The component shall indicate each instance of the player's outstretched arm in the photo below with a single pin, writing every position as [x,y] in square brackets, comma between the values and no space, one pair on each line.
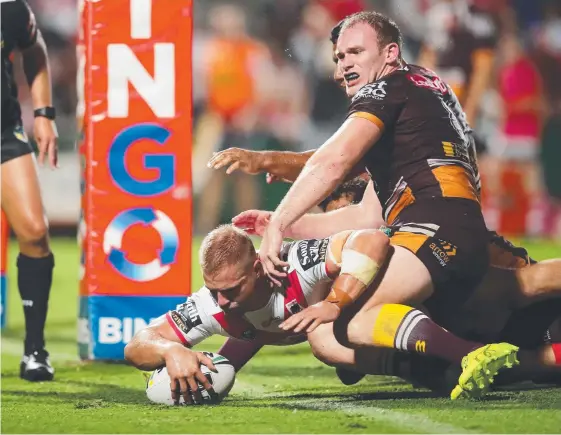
[158,345]
[149,347]
[365,215]
[282,165]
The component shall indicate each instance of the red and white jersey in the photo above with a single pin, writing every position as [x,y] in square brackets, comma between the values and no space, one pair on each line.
[200,316]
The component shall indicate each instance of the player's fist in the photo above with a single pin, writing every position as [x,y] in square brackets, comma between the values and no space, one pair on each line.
[250,162]
[252,222]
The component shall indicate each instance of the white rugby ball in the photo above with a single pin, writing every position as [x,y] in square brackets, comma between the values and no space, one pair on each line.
[158,388]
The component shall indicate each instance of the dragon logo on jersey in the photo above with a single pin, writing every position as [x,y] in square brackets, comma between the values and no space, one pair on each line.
[293,306]
[375,90]
[312,252]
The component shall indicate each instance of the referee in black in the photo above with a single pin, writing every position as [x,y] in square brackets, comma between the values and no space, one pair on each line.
[21,195]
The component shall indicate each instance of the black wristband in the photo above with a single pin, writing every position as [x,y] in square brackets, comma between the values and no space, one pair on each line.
[48,112]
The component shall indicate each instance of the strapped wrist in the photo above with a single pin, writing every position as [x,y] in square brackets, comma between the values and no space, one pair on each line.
[339,297]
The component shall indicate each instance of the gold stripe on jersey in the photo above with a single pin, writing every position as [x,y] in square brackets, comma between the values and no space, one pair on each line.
[406,198]
[370,117]
[448,149]
[410,241]
[455,182]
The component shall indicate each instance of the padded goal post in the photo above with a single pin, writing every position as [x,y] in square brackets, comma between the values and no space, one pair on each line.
[134,119]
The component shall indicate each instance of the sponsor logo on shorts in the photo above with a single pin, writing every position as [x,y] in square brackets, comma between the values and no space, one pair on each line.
[442,251]
[312,252]
[19,134]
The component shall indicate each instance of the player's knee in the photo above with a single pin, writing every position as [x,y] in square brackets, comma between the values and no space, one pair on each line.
[319,345]
[33,234]
[358,334]
[373,243]
[321,353]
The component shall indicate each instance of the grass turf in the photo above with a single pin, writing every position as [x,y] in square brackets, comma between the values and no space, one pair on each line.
[283,390]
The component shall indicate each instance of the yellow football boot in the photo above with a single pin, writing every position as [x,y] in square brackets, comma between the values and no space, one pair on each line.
[480,367]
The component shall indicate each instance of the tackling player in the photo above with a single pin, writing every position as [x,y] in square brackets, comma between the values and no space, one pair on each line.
[506,272]
[21,195]
[238,301]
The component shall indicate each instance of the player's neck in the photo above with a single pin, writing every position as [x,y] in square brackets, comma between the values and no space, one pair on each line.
[388,69]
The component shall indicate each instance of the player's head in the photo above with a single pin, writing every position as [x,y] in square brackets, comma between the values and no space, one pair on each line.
[346,194]
[368,44]
[228,20]
[231,267]
[338,74]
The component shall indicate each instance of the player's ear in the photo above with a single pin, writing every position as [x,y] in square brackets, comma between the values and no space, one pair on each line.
[257,266]
[392,53]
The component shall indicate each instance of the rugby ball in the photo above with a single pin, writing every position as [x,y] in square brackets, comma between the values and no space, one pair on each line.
[158,384]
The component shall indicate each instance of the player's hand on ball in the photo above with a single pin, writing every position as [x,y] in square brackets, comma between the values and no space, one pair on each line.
[246,161]
[183,366]
[46,136]
[253,222]
[311,317]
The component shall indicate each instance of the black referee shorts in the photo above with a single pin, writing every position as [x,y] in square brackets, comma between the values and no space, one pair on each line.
[14,143]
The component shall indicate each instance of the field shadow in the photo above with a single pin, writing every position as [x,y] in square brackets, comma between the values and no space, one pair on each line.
[290,372]
[95,394]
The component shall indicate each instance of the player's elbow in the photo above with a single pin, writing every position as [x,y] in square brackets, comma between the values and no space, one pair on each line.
[131,352]
[372,243]
[135,350]
[331,166]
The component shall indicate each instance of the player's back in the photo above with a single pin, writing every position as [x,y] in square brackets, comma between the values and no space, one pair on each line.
[307,283]
[427,149]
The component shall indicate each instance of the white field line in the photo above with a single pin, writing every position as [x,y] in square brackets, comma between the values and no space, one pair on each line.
[403,420]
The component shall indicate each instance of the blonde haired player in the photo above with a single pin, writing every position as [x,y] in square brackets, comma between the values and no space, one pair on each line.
[238,301]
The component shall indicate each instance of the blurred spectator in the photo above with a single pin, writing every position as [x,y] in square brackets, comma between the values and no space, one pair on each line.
[523,107]
[262,78]
[236,68]
[460,47]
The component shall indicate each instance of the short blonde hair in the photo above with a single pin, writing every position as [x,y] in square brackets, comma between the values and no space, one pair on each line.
[225,246]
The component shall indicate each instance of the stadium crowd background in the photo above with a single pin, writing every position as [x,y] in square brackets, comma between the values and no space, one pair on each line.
[262,79]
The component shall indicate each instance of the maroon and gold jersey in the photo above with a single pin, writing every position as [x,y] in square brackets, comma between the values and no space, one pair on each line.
[426,149]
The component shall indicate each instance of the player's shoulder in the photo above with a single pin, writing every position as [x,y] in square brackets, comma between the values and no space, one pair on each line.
[304,255]
[199,306]
[390,86]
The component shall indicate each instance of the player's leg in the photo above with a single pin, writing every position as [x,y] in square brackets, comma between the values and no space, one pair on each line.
[407,280]
[538,282]
[21,201]
[353,364]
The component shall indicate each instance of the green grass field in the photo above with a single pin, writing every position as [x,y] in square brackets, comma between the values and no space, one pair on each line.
[283,390]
